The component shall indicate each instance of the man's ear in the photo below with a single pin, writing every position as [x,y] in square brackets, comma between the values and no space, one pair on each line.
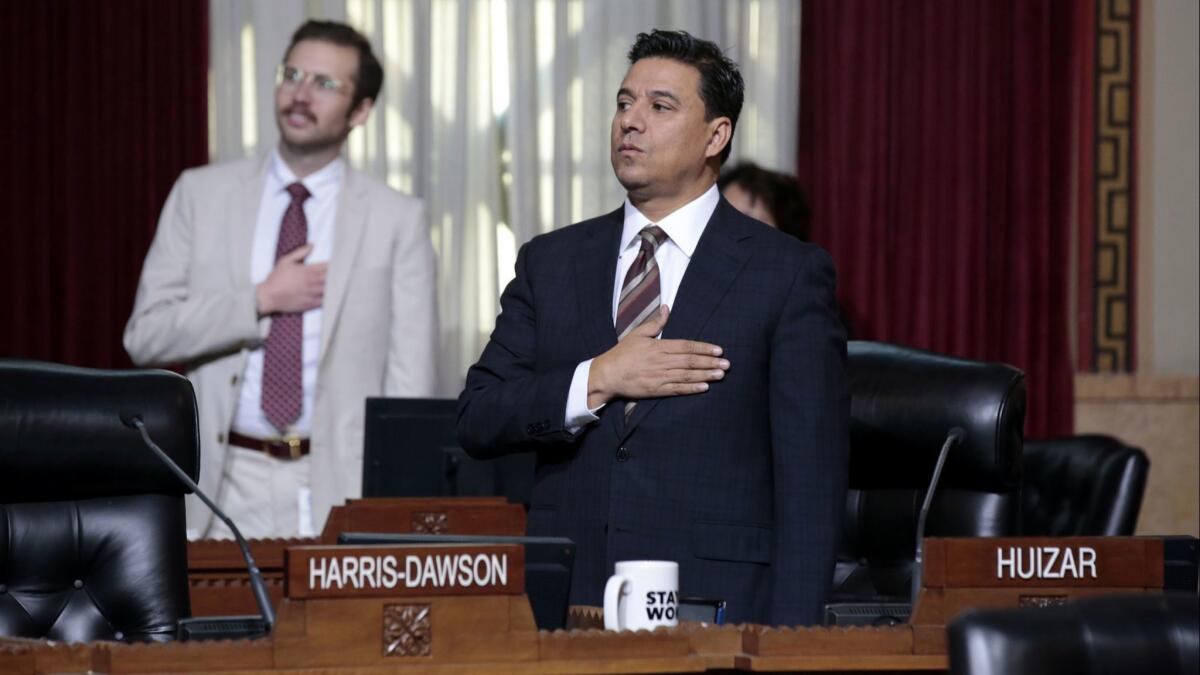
[720,129]
[360,114]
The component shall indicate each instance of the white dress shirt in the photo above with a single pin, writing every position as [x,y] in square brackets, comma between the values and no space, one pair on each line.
[683,227]
[320,210]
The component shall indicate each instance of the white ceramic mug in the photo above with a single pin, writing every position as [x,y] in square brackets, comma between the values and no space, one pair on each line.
[642,594]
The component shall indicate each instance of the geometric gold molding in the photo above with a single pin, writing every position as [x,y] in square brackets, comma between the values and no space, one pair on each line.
[1113,252]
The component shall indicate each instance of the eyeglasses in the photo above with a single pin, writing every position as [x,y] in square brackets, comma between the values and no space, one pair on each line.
[290,77]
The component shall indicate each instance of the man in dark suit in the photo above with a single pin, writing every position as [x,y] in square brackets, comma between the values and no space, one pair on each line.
[678,367]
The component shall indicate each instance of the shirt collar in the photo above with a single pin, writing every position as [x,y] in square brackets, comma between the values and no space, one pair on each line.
[684,225]
[320,184]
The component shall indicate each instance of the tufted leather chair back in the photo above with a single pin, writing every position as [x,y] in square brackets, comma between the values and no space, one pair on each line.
[903,401]
[92,535]
[1152,633]
[1082,486]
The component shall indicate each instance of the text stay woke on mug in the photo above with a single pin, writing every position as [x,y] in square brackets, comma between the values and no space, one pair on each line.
[660,605]
[660,613]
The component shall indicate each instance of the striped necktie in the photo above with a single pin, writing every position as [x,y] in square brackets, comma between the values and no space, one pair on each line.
[640,293]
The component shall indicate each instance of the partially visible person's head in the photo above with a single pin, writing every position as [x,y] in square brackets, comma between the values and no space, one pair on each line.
[328,83]
[770,196]
[368,73]
[677,109]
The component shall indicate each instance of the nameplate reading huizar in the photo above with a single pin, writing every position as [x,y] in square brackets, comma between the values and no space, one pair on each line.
[1045,562]
[362,571]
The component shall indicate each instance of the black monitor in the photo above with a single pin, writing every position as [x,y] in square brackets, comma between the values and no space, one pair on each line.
[548,564]
[410,450]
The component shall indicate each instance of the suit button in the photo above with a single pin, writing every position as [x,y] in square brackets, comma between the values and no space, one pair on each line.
[220,438]
[233,380]
[530,429]
[623,454]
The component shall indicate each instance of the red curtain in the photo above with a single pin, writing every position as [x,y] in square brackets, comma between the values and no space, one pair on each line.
[935,142]
[107,103]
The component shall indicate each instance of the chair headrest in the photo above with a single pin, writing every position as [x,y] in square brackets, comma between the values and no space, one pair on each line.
[1151,633]
[61,434]
[1082,485]
[903,401]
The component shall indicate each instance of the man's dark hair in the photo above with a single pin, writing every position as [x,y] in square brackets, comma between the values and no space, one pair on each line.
[721,86]
[778,191]
[369,78]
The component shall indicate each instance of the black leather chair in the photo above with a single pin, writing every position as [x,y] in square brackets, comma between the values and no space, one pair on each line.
[903,402]
[92,535]
[1112,635]
[1082,486]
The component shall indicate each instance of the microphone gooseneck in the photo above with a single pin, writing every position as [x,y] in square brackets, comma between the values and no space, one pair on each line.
[956,436]
[134,420]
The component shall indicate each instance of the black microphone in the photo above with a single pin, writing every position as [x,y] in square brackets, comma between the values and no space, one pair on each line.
[956,436]
[134,421]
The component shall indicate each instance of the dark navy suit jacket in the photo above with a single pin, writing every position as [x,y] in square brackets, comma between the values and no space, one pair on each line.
[744,484]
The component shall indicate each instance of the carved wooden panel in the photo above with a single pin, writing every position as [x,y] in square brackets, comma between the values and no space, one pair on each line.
[1041,600]
[430,522]
[407,630]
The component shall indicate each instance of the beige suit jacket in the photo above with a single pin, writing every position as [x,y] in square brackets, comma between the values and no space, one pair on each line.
[196,306]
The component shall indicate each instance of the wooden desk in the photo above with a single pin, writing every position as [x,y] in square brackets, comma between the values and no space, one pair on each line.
[689,648]
[496,634]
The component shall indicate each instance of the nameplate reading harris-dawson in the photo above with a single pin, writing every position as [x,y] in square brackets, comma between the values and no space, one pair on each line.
[397,571]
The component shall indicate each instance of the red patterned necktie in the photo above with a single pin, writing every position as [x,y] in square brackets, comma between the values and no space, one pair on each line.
[283,386]
[640,293]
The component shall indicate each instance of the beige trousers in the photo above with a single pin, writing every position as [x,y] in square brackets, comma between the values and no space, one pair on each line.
[264,496]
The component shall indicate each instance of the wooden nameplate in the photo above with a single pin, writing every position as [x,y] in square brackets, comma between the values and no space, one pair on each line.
[220,585]
[419,515]
[1008,572]
[364,606]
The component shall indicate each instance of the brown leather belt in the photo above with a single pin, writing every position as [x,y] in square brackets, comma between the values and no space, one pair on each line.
[287,448]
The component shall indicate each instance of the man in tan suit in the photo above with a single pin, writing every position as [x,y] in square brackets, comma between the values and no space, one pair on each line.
[291,287]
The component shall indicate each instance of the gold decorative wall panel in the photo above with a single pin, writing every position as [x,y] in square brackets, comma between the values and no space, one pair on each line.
[1114,181]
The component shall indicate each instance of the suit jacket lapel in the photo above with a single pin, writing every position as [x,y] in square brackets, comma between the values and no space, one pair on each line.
[716,262]
[595,267]
[244,219]
[347,237]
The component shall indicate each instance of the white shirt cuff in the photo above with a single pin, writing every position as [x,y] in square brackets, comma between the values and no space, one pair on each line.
[578,414]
